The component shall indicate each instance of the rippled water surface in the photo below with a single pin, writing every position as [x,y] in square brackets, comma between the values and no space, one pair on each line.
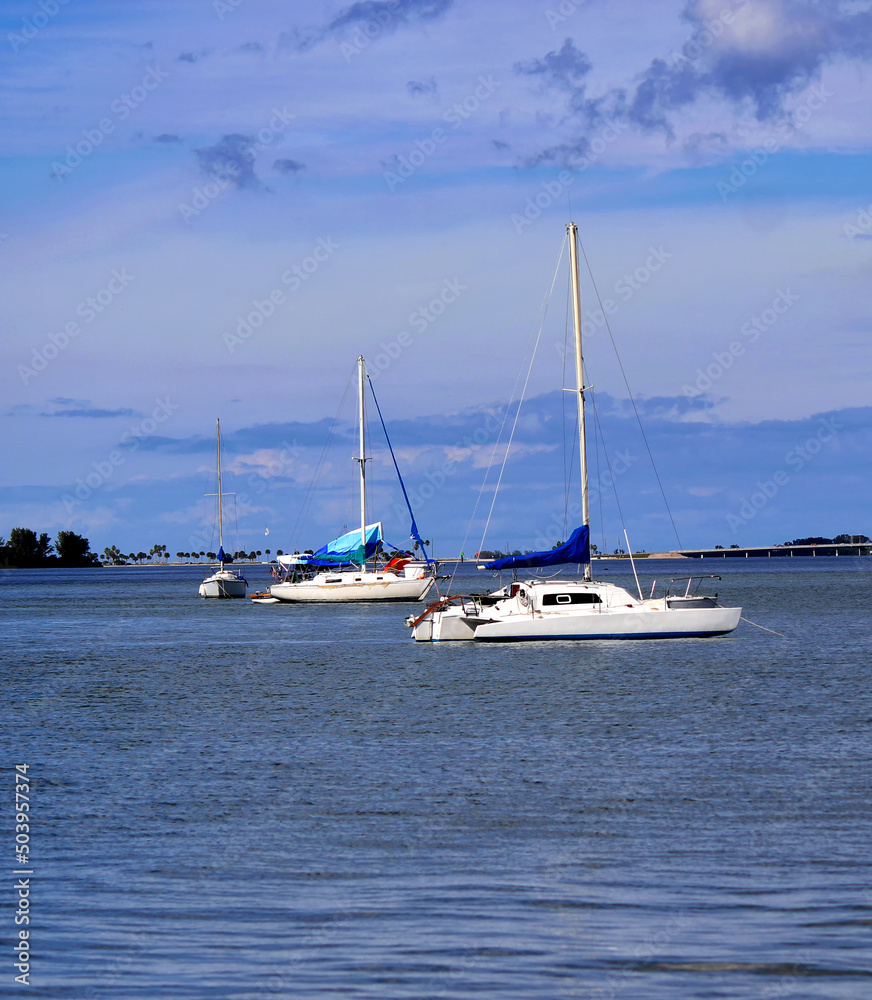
[240,801]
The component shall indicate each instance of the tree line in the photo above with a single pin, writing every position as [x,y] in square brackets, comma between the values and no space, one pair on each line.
[161,554]
[838,540]
[25,549]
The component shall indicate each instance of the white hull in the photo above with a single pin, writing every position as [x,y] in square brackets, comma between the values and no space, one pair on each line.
[342,587]
[669,624]
[223,584]
[527,615]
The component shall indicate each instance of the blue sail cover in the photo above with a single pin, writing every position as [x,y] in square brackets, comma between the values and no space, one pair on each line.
[575,550]
[346,548]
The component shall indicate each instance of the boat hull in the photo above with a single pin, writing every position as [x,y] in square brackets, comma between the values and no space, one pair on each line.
[669,624]
[348,591]
[223,585]
[642,624]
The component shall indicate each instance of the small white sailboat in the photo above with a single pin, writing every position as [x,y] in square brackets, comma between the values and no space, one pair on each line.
[340,571]
[223,582]
[536,609]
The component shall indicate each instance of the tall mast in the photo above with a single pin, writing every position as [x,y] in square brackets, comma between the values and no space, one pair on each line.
[220,510]
[361,371]
[572,231]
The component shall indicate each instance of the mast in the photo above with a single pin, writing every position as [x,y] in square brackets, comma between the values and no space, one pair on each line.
[572,231]
[361,371]
[220,510]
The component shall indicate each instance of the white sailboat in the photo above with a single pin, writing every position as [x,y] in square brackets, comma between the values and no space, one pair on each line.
[323,576]
[537,609]
[223,582]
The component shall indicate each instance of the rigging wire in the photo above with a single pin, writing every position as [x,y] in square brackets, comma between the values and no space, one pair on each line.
[310,492]
[600,446]
[630,394]
[544,310]
[369,481]
[235,506]
[567,470]
[415,533]
[523,394]
[599,432]
[217,506]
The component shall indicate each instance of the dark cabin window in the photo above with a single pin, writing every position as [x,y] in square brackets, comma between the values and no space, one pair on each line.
[335,579]
[549,600]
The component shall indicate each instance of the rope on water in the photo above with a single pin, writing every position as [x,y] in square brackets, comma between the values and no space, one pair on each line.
[772,630]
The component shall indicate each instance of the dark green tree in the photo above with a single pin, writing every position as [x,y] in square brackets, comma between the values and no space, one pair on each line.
[26,548]
[74,550]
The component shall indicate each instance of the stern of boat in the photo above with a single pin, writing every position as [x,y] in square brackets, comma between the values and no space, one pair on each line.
[452,619]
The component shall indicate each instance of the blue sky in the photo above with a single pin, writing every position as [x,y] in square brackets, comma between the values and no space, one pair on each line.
[211,208]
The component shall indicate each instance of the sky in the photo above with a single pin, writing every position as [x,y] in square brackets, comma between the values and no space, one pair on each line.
[210,208]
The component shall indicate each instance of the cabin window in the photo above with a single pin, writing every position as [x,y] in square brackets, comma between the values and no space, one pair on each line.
[549,600]
[357,579]
[334,579]
[379,578]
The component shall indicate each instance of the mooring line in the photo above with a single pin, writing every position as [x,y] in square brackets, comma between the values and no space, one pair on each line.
[772,630]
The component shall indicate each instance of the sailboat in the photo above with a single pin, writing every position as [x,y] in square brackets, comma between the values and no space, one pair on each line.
[340,570]
[537,609]
[223,582]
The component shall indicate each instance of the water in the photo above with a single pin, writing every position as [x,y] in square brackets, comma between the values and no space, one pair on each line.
[242,801]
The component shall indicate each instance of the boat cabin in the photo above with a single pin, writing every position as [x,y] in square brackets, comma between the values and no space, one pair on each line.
[564,595]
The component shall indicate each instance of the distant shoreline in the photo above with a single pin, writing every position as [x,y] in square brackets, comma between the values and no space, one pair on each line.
[745,552]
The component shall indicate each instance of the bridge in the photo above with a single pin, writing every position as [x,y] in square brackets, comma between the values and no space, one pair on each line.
[781,551]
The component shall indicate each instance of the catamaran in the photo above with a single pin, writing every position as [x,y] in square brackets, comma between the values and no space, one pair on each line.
[536,609]
[223,582]
[340,570]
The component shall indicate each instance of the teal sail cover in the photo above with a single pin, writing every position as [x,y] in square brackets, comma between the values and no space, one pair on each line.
[576,549]
[347,548]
